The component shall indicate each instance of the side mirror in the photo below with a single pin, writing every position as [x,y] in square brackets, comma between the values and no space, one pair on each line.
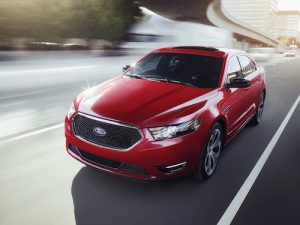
[125,68]
[239,83]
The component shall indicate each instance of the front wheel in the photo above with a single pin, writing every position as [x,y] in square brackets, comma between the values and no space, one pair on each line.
[210,153]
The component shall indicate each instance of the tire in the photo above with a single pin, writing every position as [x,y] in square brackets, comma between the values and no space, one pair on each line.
[210,153]
[256,119]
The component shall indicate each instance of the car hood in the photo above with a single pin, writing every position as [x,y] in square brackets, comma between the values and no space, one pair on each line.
[141,102]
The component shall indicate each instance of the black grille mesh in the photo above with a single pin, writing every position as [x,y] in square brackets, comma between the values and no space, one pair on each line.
[113,164]
[117,136]
[133,168]
[100,160]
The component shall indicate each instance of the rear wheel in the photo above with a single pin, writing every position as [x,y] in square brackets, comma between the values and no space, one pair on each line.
[210,153]
[259,111]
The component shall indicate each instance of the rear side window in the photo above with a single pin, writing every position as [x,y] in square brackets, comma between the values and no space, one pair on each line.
[248,66]
[234,69]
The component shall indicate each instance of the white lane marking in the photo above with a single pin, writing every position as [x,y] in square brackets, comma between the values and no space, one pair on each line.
[26,94]
[55,69]
[50,69]
[32,133]
[239,198]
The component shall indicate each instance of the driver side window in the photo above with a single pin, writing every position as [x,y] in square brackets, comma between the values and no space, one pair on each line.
[234,69]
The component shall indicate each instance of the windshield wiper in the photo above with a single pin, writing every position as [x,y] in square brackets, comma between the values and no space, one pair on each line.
[136,76]
[180,82]
[164,79]
[157,78]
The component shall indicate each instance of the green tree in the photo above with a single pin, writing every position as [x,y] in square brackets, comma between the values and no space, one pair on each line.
[45,20]
[287,40]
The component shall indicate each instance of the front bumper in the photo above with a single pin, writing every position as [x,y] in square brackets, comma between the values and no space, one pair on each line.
[148,160]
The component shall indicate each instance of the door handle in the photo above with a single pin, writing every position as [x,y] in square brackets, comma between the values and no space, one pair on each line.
[227,109]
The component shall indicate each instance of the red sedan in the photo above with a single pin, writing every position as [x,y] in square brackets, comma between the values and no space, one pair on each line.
[168,115]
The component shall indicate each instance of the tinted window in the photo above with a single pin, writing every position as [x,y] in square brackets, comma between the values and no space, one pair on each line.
[247,65]
[149,63]
[198,70]
[234,69]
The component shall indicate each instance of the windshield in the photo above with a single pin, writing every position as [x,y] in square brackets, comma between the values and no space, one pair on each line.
[187,69]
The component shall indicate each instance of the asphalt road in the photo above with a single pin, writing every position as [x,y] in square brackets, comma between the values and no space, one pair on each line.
[41,184]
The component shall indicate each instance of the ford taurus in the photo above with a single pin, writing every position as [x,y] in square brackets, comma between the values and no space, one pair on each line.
[168,115]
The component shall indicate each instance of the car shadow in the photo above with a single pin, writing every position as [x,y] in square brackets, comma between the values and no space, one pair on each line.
[105,199]
[101,198]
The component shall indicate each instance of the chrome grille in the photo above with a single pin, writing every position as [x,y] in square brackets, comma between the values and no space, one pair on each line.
[112,135]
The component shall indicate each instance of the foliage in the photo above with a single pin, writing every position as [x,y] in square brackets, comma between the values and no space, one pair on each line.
[44,20]
[287,41]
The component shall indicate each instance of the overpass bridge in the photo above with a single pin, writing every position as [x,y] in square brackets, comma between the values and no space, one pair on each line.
[209,12]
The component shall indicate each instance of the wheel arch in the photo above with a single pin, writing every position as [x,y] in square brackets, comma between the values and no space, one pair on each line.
[223,122]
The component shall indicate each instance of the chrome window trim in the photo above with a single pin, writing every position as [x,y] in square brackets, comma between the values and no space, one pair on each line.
[227,80]
[246,75]
[110,122]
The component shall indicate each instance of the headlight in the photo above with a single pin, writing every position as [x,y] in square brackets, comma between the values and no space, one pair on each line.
[160,133]
[71,111]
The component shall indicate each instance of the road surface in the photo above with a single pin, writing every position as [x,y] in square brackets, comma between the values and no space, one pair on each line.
[41,184]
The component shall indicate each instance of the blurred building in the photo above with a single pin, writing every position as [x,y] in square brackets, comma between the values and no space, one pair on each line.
[155,31]
[259,14]
[287,24]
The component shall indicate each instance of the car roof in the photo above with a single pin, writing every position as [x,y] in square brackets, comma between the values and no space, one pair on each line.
[201,50]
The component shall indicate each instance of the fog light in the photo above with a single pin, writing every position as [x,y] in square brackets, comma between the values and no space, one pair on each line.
[172,168]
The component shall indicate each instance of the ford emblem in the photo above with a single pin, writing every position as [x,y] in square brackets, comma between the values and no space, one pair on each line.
[99,131]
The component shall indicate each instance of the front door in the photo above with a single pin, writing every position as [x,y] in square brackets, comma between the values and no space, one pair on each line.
[235,103]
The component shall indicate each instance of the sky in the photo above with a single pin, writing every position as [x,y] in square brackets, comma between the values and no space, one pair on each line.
[289,4]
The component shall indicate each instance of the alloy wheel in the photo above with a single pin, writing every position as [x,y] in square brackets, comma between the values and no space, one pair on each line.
[213,151]
[260,109]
